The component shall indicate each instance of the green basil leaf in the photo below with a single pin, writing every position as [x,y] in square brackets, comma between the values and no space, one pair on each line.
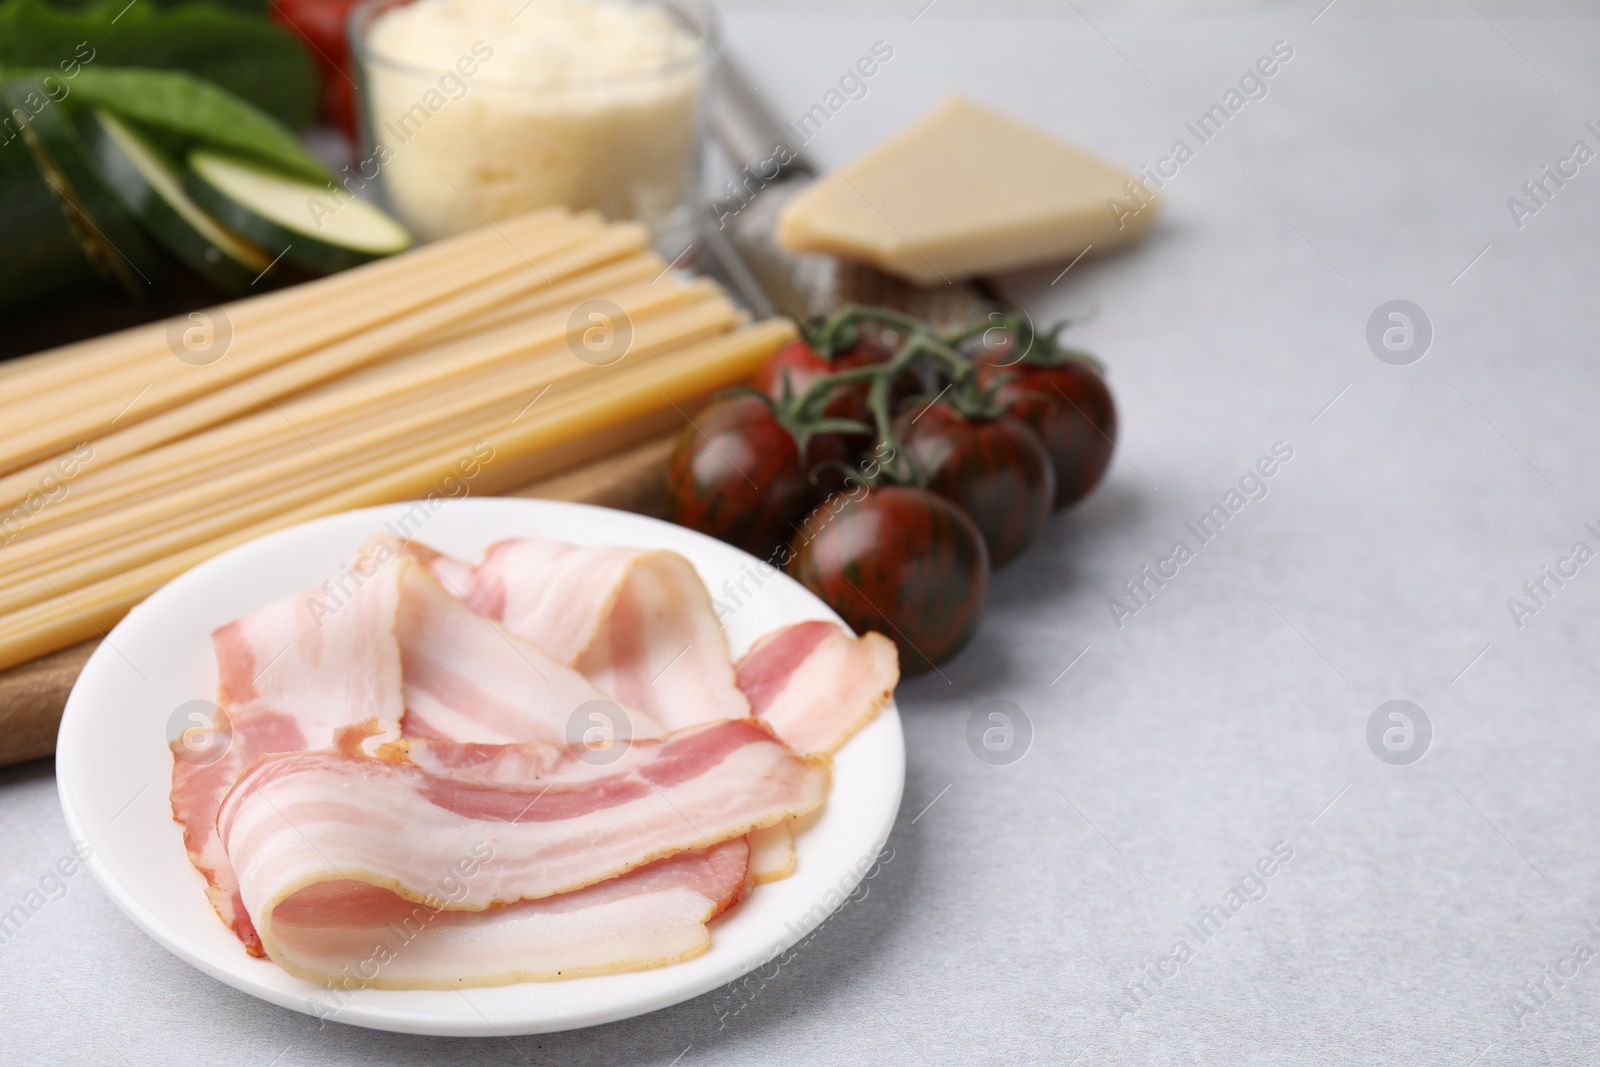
[246,54]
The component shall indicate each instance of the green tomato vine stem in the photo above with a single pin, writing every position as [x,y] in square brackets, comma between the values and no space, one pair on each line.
[803,415]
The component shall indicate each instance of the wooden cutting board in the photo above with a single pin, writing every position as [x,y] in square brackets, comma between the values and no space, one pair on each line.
[33,695]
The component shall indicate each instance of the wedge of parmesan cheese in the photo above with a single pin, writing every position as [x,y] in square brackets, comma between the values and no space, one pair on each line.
[968,191]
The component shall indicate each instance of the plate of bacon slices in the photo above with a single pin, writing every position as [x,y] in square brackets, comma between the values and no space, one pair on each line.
[478,767]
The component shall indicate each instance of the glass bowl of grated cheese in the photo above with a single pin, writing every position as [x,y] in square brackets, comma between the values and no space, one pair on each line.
[474,111]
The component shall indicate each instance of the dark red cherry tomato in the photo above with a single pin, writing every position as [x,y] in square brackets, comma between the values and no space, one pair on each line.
[801,365]
[736,475]
[902,561]
[1070,407]
[996,469]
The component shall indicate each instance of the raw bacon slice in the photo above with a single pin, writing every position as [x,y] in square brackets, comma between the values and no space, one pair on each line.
[397,768]
[505,766]
[649,917]
[638,624]
[771,853]
[331,819]
[467,679]
[291,675]
[815,685]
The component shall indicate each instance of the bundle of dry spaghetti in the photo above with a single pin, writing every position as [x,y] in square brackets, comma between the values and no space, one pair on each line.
[474,365]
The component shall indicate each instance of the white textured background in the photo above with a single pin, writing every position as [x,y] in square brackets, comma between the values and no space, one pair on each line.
[1231,712]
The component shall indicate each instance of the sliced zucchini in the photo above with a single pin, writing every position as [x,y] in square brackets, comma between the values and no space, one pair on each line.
[149,185]
[112,238]
[285,212]
[40,254]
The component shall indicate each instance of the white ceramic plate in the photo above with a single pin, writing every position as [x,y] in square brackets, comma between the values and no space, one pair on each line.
[114,768]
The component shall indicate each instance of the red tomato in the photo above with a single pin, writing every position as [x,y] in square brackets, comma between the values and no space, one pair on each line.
[321,25]
[1070,407]
[997,470]
[736,475]
[803,365]
[902,561]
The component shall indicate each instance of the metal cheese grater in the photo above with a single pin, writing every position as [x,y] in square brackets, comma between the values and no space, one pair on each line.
[737,232]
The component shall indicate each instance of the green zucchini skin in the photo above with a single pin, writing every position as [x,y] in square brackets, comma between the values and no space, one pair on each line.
[126,253]
[300,247]
[235,274]
[41,257]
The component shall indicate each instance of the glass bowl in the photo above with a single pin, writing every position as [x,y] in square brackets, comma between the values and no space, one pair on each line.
[481,119]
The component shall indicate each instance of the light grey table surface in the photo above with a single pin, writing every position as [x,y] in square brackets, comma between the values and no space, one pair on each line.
[1230,713]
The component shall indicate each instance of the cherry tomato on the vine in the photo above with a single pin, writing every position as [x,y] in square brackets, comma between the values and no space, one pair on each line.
[995,469]
[802,365]
[736,474]
[1070,407]
[793,369]
[902,561]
